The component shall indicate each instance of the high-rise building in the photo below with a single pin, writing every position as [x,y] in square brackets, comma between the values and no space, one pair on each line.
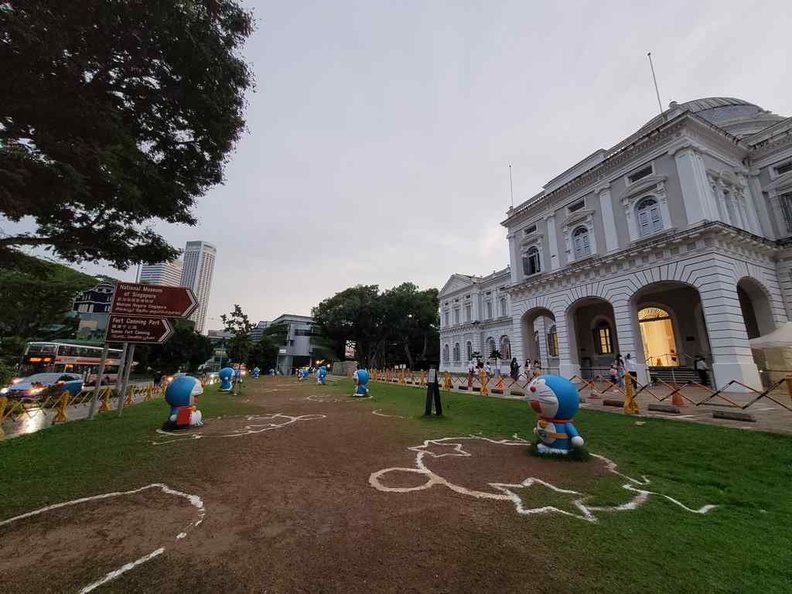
[163,273]
[199,260]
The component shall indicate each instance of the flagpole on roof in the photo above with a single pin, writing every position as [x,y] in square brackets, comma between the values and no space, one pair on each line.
[511,187]
[654,78]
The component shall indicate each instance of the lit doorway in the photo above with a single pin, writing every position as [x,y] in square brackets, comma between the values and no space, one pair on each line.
[657,335]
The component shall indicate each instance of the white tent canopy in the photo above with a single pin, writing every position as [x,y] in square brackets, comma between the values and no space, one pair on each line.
[778,338]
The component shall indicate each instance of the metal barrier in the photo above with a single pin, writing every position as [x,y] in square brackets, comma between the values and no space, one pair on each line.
[60,402]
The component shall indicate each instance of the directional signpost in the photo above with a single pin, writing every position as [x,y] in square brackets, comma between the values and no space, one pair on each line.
[138,330]
[139,315]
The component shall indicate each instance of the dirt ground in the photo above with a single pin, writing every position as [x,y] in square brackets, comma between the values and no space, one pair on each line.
[289,507]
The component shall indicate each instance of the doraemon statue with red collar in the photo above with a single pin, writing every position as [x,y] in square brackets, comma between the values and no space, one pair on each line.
[555,400]
[182,396]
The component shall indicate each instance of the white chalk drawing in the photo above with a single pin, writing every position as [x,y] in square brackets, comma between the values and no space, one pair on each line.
[253,424]
[381,414]
[194,500]
[454,446]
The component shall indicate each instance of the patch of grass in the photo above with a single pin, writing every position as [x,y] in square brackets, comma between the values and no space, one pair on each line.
[82,457]
[740,546]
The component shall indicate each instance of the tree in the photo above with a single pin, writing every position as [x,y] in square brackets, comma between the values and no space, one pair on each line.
[35,293]
[240,344]
[410,319]
[399,325]
[352,314]
[114,114]
[184,351]
[263,353]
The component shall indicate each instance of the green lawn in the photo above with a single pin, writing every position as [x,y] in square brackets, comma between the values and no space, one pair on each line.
[82,457]
[744,544]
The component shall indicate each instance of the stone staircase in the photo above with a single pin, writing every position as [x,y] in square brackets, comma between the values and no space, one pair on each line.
[674,375]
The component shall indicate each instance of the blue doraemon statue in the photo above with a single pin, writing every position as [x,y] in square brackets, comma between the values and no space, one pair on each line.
[255,372]
[225,375]
[182,395]
[555,400]
[303,374]
[321,375]
[361,377]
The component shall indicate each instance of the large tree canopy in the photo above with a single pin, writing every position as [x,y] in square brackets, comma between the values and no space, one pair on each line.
[113,114]
[396,326]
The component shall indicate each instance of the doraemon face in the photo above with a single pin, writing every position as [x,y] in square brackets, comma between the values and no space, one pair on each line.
[183,391]
[542,399]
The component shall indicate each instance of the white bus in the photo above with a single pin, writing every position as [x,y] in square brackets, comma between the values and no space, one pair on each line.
[66,357]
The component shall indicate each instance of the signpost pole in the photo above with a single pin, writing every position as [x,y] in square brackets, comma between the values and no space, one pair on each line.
[97,385]
[127,372]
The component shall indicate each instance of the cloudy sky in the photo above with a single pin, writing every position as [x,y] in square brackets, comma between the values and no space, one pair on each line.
[380,133]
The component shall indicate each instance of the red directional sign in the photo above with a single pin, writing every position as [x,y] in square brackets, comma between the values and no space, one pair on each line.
[137,329]
[153,300]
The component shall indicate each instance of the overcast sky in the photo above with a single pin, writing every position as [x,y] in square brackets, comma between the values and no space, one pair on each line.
[380,133]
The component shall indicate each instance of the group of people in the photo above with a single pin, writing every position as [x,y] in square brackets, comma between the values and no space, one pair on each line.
[621,367]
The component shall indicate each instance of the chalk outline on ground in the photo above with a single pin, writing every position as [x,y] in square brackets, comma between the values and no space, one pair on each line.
[507,491]
[249,429]
[194,500]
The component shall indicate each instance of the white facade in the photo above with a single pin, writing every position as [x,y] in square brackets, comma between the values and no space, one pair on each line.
[199,261]
[672,244]
[298,350]
[475,317]
[164,273]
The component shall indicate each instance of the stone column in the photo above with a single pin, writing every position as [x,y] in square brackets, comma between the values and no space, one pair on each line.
[514,257]
[628,334]
[517,345]
[699,203]
[552,242]
[728,339]
[608,220]
[757,199]
[568,364]
[541,326]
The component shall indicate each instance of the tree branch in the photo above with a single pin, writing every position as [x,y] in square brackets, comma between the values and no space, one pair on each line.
[25,240]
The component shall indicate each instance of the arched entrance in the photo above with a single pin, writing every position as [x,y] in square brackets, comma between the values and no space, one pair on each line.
[657,337]
[593,341]
[755,306]
[538,326]
[673,329]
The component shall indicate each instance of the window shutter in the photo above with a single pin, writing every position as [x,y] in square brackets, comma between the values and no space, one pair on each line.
[643,222]
[657,221]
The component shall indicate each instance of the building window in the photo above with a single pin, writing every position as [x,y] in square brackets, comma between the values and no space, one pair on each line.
[640,174]
[456,352]
[531,229]
[445,353]
[784,168]
[490,348]
[468,312]
[576,206]
[503,312]
[469,351]
[602,338]
[785,201]
[531,263]
[505,347]
[581,243]
[489,310]
[456,316]
[552,342]
[649,218]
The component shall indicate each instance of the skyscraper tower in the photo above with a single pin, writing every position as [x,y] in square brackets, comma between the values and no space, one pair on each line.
[199,260]
[163,273]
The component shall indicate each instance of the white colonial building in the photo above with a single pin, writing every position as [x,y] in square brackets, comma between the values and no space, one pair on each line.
[674,243]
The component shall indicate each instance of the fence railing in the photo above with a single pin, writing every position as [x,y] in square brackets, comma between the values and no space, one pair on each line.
[59,404]
[600,386]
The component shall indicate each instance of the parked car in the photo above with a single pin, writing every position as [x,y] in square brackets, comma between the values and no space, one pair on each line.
[34,386]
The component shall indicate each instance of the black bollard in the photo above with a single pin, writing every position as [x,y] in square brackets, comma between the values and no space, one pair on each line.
[433,393]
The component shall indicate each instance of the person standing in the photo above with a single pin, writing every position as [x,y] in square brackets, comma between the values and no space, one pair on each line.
[702,369]
[629,367]
[515,369]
